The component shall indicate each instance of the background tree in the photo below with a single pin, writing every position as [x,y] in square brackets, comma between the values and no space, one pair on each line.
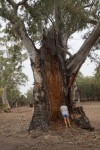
[52,24]
[97,72]
[13,95]
[29,96]
[23,101]
[11,68]
[89,86]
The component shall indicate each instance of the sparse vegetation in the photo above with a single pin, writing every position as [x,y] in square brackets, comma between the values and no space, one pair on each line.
[14,126]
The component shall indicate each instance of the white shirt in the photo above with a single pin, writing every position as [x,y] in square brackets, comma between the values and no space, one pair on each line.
[64,110]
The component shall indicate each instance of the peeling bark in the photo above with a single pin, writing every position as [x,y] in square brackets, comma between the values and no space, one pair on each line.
[41,115]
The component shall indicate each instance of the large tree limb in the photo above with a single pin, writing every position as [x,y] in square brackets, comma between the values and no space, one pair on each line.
[90,5]
[19,27]
[13,4]
[27,42]
[77,60]
[22,2]
[58,20]
[16,4]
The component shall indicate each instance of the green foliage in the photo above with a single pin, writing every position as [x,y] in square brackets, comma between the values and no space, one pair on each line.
[11,75]
[97,72]
[15,97]
[40,14]
[1,91]
[23,101]
[29,95]
[11,60]
[89,87]
[13,94]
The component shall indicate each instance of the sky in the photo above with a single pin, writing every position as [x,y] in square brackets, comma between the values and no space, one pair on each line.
[74,44]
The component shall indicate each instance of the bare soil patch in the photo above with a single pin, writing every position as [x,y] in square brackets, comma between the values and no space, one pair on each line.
[14,132]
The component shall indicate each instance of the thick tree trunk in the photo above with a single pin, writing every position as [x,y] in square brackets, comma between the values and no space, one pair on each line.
[52,87]
[49,89]
[53,77]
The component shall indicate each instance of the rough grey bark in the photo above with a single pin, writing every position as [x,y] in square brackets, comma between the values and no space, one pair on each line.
[41,116]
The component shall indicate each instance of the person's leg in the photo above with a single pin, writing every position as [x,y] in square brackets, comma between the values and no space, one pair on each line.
[68,122]
[65,121]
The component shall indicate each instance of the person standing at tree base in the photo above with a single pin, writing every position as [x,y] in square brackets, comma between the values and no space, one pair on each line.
[65,115]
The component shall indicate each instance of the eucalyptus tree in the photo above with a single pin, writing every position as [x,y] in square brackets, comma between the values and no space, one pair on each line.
[51,23]
[13,95]
[11,74]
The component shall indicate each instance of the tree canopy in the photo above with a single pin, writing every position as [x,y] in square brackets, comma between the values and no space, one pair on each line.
[89,86]
[11,60]
[28,21]
[11,75]
[37,15]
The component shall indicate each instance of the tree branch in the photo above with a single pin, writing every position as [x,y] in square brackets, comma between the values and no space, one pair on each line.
[89,5]
[14,5]
[94,22]
[21,3]
[19,27]
[77,60]
[27,42]
[58,18]
[11,2]
[65,51]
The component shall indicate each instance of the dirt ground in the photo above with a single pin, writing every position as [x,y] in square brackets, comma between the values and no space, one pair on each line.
[14,135]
